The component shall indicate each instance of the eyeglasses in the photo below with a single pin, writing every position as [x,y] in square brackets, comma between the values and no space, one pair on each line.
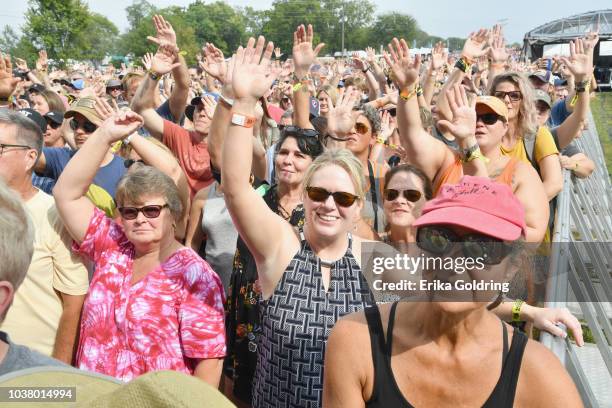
[361,128]
[513,95]
[87,126]
[4,146]
[440,240]
[149,211]
[392,194]
[341,198]
[488,118]
[130,162]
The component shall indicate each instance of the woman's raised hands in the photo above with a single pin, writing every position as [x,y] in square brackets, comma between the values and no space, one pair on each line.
[405,69]
[253,74]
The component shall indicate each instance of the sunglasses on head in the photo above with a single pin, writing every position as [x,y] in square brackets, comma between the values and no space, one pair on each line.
[130,162]
[392,194]
[86,125]
[361,128]
[488,118]
[149,211]
[341,198]
[297,131]
[439,240]
[513,95]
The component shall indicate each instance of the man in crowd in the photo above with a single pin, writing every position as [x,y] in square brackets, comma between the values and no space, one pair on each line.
[46,308]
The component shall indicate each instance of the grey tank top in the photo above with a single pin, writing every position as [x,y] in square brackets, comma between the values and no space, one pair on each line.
[221,235]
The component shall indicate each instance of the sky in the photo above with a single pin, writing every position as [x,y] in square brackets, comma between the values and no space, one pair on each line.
[443,18]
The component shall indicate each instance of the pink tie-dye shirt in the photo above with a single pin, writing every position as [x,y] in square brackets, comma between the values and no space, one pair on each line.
[168,320]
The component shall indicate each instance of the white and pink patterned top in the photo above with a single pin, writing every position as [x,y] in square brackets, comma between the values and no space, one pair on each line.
[168,320]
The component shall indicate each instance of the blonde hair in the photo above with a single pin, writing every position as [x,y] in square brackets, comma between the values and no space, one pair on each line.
[329,90]
[527,116]
[16,238]
[148,181]
[342,158]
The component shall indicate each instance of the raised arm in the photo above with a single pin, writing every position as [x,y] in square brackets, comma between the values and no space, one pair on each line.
[438,59]
[263,231]
[422,150]
[303,58]
[73,206]
[498,55]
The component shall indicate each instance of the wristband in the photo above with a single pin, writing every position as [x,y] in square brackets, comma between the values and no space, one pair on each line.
[154,75]
[5,99]
[419,90]
[243,120]
[463,65]
[516,310]
[380,140]
[406,94]
[473,155]
[297,87]
[365,70]
[127,140]
[302,79]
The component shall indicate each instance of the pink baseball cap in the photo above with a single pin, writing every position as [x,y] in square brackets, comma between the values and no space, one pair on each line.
[479,204]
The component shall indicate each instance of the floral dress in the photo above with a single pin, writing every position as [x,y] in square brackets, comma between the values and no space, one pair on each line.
[243,322]
[169,320]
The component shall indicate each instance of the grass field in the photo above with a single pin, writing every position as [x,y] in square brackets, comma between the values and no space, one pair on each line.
[601,107]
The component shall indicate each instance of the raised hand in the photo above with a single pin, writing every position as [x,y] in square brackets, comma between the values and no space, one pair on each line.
[497,45]
[438,56]
[21,64]
[591,38]
[165,59]
[7,82]
[303,54]
[371,54]
[165,32]
[146,60]
[209,104]
[340,119]
[386,129]
[42,63]
[277,53]
[463,124]
[405,69]
[253,74]
[119,125]
[214,62]
[580,62]
[475,45]
[358,63]
[103,109]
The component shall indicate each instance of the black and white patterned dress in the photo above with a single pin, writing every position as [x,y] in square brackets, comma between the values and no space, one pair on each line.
[296,322]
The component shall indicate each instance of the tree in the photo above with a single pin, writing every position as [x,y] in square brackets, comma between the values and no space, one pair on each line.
[100,38]
[394,24]
[138,11]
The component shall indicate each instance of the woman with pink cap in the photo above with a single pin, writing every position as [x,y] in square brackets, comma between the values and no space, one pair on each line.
[447,348]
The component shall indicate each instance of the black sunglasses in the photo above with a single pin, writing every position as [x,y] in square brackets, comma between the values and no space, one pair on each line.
[53,125]
[130,162]
[440,240]
[488,118]
[392,194]
[149,211]
[87,126]
[341,198]
[297,131]
[114,88]
[513,95]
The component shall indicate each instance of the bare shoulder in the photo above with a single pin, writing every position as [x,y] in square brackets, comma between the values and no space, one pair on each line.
[543,381]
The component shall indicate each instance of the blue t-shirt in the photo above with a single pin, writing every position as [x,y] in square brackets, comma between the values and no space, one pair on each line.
[558,113]
[46,184]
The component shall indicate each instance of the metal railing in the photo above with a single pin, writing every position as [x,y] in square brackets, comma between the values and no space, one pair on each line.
[581,267]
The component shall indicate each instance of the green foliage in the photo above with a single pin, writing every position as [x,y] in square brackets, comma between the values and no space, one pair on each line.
[390,25]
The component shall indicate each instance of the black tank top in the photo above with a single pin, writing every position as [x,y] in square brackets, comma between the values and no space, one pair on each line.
[386,393]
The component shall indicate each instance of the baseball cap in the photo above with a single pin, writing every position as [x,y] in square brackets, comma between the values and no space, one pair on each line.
[543,76]
[56,117]
[560,82]
[36,88]
[479,204]
[540,95]
[35,117]
[84,106]
[198,99]
[495,104]
[114,83]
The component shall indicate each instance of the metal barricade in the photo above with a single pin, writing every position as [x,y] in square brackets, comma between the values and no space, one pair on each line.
[581,268]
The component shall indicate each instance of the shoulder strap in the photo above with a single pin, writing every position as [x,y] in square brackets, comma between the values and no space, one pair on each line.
[389,346]
[529,144]
[377,341]
[373,187]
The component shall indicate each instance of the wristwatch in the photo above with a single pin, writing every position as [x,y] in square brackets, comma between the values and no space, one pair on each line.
[243,120]
[469,152]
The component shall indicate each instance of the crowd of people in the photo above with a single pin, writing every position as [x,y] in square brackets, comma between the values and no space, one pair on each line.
[212,220]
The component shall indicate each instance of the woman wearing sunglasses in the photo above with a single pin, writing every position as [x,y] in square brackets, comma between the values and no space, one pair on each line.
[152,304]
[517,93]
[308,279]
[450,350]
[479,127]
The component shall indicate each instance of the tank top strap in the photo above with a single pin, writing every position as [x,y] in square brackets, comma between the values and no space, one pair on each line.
[505,177]
[377,344]
[450,175]
[389,345]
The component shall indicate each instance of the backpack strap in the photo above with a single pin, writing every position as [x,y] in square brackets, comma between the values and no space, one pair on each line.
[529,145]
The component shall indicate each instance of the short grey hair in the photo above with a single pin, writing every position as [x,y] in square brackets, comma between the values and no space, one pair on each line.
[27,131]
[372,115]
[16,238]
[148,181]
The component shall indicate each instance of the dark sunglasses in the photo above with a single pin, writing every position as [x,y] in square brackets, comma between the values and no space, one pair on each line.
[361,128]
[513,95]
[114,88]
[149,211]
[488,118]
[87,126]
[297,131]
[53,125]
[392,194]
[440,240]
[542,107]
[130,162]
[341,198]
